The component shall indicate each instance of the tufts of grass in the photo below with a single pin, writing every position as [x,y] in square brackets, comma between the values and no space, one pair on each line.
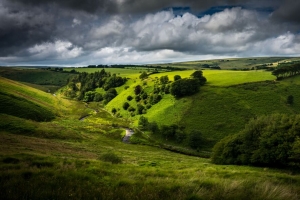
[111,157]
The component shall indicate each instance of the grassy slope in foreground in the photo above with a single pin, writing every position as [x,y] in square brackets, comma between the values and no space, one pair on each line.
[82,167]
[23,101]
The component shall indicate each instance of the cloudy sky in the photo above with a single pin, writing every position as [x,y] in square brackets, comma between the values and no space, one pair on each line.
[83,32]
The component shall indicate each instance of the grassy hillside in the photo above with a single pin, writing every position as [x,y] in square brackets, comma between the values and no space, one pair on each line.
[39,78]
[23,101]
[221,107]
[86,160]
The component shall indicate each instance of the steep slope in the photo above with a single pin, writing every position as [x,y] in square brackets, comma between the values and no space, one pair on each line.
[23,101]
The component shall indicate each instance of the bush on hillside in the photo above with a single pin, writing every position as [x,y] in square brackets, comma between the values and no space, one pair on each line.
[129,98]
[266,141]
[138,89]
[126,105]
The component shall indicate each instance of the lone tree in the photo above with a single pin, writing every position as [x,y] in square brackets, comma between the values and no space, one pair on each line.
[143,75]
[138,89]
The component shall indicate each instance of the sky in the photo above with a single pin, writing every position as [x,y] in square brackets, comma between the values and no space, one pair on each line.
[92,32]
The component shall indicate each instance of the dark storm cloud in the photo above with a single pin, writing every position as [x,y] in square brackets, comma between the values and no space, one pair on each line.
[289,11]
[145,6]
[85,5]
[139,30]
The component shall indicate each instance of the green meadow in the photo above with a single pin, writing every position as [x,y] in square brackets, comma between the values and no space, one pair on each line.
[78,153]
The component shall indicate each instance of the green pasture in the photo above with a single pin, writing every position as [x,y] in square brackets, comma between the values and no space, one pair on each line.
[227,77]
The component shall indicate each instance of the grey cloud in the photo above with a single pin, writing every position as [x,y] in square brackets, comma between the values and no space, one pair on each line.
[30,28]
[20,29]
[144,6]
[288,12]
[84,5]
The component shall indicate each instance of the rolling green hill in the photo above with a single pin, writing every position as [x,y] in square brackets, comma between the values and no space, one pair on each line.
[23,101]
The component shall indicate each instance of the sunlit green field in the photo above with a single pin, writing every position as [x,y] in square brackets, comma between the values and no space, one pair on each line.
[227,78]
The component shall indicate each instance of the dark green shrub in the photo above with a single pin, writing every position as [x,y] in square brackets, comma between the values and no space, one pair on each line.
[137,98]
[129,98]
[126,105]
[138,89]
[131,109]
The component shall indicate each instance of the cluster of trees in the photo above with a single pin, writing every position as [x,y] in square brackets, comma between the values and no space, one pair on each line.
[283,71]
[175,133]
[84,84]
[272,141]
[184,87]
[143,101]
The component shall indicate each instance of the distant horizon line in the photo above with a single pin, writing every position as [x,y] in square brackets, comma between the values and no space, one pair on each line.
[163,63]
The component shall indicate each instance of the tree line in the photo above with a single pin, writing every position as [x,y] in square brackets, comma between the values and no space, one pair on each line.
[284,71]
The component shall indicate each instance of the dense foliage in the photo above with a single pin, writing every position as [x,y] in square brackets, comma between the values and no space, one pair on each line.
[185,87]
[266,141]
[83,85]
